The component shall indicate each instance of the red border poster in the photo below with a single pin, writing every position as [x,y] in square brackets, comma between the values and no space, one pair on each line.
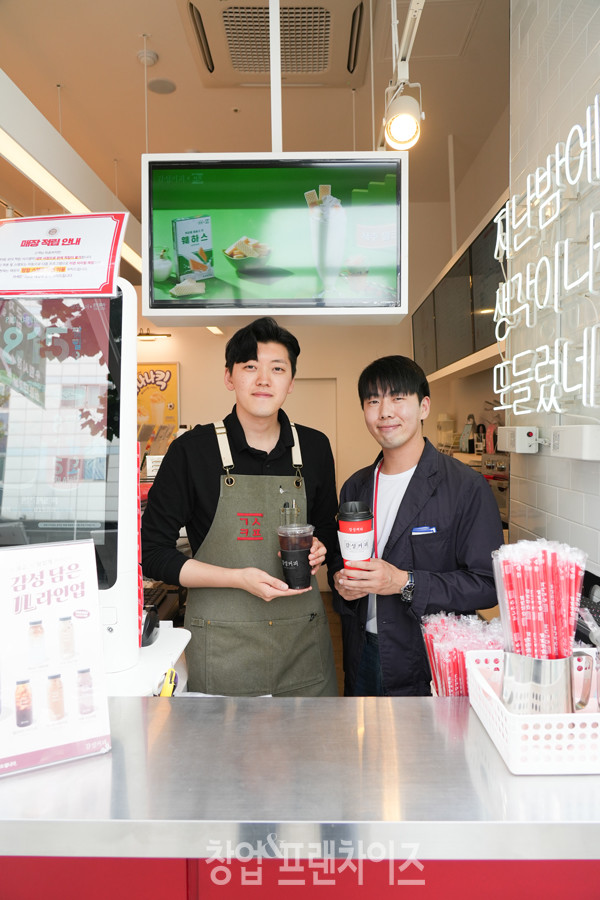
[71,254]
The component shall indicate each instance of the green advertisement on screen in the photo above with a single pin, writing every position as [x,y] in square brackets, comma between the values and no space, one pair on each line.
[252,234]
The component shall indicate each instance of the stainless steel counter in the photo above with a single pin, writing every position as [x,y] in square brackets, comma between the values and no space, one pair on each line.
[186,775]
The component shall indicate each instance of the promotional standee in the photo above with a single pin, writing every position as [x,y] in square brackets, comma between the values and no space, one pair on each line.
[68,442]
[53,704]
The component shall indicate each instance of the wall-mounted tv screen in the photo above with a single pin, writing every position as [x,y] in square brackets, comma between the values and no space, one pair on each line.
[424,344]
[453,314]
[487,274]
[266,234]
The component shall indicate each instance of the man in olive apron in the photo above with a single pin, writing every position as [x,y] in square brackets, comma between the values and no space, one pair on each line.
[251,634]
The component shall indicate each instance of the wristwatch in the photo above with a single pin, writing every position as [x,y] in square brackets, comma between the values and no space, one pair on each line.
[407,591]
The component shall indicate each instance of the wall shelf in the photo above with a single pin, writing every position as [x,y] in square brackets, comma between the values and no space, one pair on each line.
[469,365]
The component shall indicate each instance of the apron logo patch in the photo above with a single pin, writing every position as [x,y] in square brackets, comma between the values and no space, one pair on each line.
[250,527]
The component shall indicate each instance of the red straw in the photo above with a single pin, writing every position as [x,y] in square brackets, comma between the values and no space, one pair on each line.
[563,619]
[541,610]
[524,619]
[539,588]
[511,601]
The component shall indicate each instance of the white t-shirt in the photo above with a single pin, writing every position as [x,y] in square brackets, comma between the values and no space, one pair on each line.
[389,497]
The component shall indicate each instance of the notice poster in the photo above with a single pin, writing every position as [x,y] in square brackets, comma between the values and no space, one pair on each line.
[53,702]
[49,255]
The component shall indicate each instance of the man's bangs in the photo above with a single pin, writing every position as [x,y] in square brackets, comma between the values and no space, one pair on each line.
[246,349]
[383,386]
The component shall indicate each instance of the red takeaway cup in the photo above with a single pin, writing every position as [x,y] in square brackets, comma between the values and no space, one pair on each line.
[355,532]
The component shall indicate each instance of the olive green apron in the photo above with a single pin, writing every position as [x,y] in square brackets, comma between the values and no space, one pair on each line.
[242,645]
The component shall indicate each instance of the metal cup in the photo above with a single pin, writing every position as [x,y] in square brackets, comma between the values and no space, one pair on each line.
[532,685]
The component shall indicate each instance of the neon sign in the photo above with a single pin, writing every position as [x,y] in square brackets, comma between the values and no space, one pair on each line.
[554,230]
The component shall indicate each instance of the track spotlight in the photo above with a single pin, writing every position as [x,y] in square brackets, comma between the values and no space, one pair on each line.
[402,121]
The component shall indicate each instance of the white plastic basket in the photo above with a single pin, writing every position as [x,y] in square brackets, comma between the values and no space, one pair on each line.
[558,744]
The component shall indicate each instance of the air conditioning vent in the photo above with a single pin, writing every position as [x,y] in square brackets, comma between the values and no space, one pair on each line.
[305,38]
[322,43]
[355,36]
[201,40]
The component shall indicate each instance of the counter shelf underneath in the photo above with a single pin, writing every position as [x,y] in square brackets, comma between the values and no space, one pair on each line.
[187,772]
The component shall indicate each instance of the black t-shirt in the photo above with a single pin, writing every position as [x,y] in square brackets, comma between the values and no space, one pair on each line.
[185,492]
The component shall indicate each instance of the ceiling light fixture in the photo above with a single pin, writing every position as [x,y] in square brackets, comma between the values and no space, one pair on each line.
[148,335]
[403,112]
[402,120]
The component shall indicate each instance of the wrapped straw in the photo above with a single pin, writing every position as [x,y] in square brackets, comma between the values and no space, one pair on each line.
[447,638]
[539,588]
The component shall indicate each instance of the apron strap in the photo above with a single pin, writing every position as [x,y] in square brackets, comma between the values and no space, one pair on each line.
[296,456]
[225,451]
[227,458]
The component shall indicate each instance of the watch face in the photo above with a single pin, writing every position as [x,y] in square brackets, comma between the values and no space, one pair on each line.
[407,590]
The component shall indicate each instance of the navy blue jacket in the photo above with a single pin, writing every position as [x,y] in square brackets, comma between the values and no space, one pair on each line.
[452,565]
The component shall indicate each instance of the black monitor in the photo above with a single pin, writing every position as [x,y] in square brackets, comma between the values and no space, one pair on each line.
[274,234]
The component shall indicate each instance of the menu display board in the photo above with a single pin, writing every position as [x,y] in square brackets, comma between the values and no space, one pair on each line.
[53,703]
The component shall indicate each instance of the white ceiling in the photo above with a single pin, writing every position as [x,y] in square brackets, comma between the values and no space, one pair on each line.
[89,48]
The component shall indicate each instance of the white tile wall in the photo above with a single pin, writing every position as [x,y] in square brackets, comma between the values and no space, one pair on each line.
[555,75]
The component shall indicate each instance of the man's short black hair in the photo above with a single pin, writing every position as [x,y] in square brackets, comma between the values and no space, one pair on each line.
[392,375]
[243,345]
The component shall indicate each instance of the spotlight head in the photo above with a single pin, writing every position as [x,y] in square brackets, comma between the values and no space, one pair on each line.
[402,122]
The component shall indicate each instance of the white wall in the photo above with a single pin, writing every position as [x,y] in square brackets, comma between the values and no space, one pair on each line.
[555,75]
[429,249]
[486,180]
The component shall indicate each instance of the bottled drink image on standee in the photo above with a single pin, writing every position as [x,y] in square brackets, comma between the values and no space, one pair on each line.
[85,692]
[56,699]
[23,703]
[66,638]
[36,643]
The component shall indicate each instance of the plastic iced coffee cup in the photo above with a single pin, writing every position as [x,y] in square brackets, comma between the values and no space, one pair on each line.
[295,542]
[355,533]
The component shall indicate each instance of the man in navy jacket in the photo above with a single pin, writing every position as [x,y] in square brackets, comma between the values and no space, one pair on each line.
[436,524]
